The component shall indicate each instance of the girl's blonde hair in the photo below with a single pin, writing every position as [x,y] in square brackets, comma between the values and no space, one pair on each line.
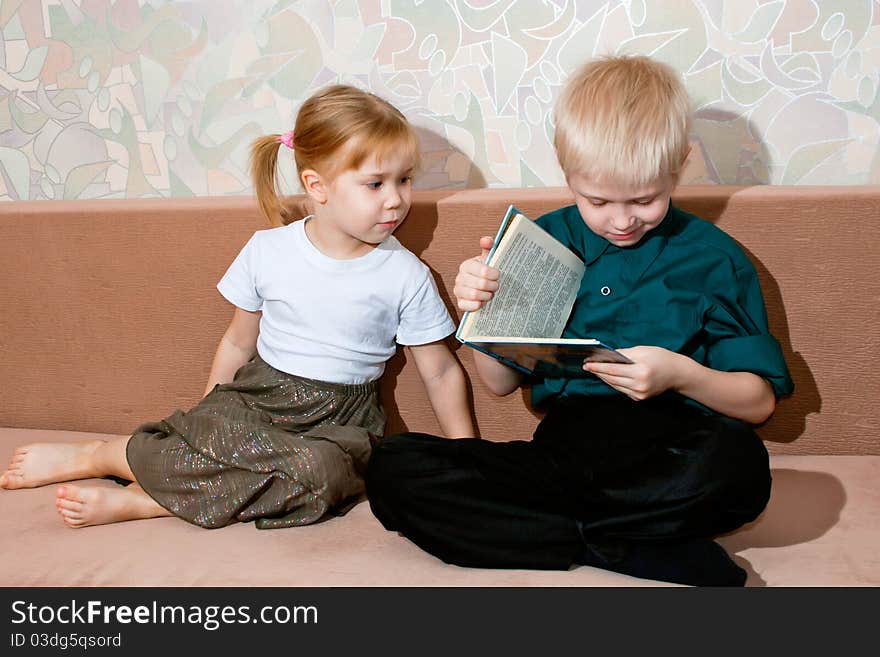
[623,119]
[336,129]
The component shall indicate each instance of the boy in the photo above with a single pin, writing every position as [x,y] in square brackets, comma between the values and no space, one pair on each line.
[636,468]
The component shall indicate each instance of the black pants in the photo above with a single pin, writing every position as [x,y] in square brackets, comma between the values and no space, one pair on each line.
[598,478]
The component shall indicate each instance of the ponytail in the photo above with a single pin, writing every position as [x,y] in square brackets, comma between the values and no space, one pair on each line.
[264,176]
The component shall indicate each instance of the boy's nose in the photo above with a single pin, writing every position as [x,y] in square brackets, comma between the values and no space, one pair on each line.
[623,222]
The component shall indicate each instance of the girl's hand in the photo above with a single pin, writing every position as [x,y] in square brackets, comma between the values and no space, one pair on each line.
[476,282]
[654,370]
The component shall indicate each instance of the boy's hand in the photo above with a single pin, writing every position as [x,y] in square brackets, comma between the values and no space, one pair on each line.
[654,370]
[476,282]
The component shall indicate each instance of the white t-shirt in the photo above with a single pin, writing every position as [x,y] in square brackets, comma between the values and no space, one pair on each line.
[333,320]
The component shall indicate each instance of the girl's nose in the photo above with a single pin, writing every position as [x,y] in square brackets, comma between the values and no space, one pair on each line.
[393,198]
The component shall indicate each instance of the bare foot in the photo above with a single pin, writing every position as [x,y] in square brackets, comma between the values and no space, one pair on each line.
[39,464]
[81,506]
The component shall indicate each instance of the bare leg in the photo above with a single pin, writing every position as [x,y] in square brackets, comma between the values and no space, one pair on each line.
[39,464]
[81,506]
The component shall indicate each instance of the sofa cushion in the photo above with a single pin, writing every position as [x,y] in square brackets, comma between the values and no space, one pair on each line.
[820,529]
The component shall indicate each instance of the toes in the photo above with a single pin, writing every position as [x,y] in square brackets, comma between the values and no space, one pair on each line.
[69,494]
[70,510]
[65,504]
[72,519]
[73,506]
[13,477]
[67,516]
[70,513]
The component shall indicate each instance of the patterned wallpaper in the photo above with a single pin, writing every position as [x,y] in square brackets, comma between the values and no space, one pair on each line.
[134,98]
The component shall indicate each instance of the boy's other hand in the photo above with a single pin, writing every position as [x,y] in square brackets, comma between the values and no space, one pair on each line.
[654,370]
[476,282]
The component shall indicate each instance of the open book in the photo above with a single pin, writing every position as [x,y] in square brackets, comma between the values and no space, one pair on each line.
[522,324]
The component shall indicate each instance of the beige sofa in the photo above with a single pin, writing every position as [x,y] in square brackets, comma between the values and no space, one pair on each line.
[109,316]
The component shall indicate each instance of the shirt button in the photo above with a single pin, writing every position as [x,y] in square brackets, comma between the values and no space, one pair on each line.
[605,291]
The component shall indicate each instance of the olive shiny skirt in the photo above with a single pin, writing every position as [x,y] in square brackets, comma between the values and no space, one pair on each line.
[270,446]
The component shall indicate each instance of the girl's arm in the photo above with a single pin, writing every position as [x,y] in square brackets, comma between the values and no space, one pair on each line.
[741,395]
[445,384]
[237,346]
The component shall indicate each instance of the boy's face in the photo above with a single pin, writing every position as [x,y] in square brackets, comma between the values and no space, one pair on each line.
[622,214]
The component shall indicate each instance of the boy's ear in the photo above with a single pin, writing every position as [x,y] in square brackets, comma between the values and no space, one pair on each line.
[314,185]
[677,177]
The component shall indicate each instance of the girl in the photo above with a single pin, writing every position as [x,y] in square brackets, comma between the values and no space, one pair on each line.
[284,431]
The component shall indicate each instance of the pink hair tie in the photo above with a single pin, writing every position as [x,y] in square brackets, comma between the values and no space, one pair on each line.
[287,139]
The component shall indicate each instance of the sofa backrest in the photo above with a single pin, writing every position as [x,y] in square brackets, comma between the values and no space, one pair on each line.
[109,314]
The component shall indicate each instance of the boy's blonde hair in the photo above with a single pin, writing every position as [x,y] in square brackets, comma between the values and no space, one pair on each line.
[624,120]
[336,129]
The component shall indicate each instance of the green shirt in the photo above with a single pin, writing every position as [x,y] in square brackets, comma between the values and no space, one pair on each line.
[686,286]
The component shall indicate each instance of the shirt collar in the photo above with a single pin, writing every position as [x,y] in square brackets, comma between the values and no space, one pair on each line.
[593,246]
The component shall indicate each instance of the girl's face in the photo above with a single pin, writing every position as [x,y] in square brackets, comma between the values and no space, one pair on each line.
[363,206]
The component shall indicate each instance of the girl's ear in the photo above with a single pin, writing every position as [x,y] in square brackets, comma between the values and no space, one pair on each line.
[314,185]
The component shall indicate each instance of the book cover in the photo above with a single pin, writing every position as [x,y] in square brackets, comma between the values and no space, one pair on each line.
[562,358]
[522,324]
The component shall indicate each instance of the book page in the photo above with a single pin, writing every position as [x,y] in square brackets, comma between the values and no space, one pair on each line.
[538,285]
